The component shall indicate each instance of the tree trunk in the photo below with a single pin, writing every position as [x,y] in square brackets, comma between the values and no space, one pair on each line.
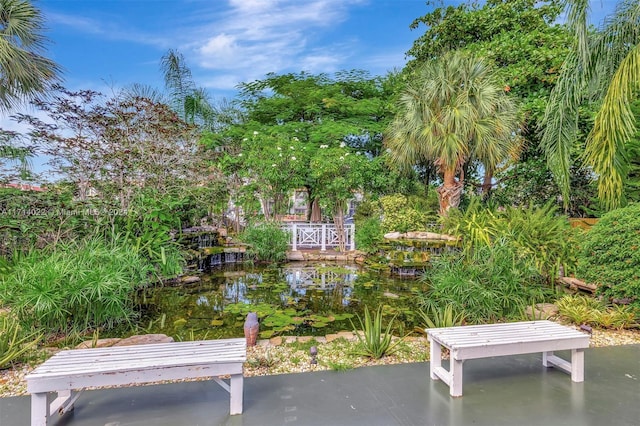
[316,212]
[486,183]
[338,221]
[449,192]
[265,208]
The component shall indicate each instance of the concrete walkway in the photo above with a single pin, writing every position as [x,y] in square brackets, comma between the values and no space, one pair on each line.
[513,390]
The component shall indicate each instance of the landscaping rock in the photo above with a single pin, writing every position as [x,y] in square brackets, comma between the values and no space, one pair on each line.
[144,339]
[542,311]
[346,335]
[100,343]
[331,337]
[295,255]
[189,279]
[276,341]
[419,235]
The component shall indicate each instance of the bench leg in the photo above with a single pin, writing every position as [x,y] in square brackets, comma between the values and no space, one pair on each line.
[577,365]
[455,368]
[236,393]
[435,361]
[545,359]
[40,409]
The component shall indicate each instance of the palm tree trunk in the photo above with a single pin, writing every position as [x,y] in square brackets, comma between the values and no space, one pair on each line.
[449,192]
[486,183]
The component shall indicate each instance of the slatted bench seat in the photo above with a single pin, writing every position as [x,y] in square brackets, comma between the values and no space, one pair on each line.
[483,341]
[68,372]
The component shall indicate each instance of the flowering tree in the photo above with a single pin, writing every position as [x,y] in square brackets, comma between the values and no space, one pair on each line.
[342,173]
[351,110]
[273,166]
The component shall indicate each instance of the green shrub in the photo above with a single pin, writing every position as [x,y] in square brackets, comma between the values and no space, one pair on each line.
[374,342]
[369,235]
[586,310]
[538,234]
[76,286]
[579,309]
[267,242]
[146,229]
[610,255]
[14,343]
[494,284]
[401,214]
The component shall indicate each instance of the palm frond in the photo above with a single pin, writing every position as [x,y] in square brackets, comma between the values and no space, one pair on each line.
[613,128]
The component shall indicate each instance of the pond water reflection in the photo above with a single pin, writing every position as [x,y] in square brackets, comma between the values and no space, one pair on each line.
[297,298]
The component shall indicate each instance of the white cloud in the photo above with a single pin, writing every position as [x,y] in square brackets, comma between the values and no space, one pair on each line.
[260,36]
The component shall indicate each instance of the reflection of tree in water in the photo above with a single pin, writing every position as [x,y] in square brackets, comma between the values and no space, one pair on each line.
[304,291]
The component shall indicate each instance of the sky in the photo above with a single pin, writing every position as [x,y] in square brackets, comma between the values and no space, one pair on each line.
[105,45]
[113,43]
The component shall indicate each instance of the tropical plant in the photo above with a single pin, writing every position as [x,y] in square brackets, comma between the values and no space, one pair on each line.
[75,287]
[348,111]
[374,341]
[14,343]
[191,103]
[437,317]
[146,228]
[342,173]
[24,72]
[578,309]
[368,234]
[267,242]
[581,309]
[492,285]
[618,317]
[609,255]
[539,234]
[602,65]
[453,111]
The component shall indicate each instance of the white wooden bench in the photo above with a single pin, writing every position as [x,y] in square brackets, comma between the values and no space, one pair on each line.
[483,341]
[70,371]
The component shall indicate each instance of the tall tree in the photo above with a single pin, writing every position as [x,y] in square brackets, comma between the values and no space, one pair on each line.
[351,109]
[24,72]
[521,38]
[454,111]
[115,146]
[603,65]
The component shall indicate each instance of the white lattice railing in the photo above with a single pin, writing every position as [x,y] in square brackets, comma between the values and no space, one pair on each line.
[318,235]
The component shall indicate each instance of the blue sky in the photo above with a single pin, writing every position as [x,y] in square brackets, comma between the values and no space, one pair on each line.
[103,43]
[108,44]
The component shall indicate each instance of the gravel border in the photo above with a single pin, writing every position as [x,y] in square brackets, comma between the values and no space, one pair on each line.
[290,354]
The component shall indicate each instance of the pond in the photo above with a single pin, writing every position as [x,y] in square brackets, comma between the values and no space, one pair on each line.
[294,299]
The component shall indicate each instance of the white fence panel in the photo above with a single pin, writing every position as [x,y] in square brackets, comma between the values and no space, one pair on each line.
[318,235]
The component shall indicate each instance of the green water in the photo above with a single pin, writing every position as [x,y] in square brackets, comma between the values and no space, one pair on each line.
[295,299]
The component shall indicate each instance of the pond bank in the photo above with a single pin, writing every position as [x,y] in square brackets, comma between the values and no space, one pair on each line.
[353,256]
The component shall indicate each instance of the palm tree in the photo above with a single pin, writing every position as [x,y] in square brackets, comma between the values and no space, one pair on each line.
[604,65]
[452,112]
[24,72]
[191,103]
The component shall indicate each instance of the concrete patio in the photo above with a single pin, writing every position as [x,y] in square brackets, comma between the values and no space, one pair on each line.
[512,390]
